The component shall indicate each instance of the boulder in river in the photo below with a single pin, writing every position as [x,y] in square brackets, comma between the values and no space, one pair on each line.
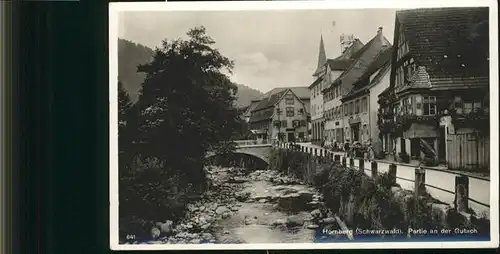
[306,196]
[221,209]
[328,220]
[195,241]
[278,222]
[242,196]
[312,226]
[155,233]
[166,228]
[259,197]
[226,215]
[316,214]
[250,220]
[206,236]
[314,204]
[294,221]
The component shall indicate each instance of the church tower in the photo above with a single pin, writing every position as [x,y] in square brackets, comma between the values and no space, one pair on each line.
[321,58]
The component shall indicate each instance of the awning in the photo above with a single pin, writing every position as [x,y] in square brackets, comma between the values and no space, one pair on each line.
[419,130]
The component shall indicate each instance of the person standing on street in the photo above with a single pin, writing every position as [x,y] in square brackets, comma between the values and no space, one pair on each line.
[346,149]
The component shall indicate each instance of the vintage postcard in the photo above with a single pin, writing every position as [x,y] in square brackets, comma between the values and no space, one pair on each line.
[303,125]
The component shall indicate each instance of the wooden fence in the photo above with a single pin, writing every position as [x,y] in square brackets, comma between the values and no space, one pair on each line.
[468,151]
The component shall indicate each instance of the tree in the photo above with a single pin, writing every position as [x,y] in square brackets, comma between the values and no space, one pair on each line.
[124,104]
[186,103]
[124,128]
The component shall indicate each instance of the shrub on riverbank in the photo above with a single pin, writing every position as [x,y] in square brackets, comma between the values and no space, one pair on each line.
[150,192]
[373,204]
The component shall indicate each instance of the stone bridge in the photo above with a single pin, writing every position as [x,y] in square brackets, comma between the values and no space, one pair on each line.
[252,148]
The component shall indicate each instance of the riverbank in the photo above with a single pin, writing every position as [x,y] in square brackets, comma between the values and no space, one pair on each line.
[242,206]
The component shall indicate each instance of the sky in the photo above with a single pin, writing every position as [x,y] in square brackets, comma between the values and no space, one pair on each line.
[270,48]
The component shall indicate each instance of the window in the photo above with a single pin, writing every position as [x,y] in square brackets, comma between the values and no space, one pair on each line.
[284,123]
[407,106]
[430,107]
[290,112]
[470,106]
[356,106]
[351,108]
[396,110]
[303,123]
[300,111]
[289,100]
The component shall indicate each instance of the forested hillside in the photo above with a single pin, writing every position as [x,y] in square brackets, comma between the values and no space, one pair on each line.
[131,55]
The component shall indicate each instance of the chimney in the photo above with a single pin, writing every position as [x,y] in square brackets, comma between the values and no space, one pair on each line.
[382,38]
[346,41]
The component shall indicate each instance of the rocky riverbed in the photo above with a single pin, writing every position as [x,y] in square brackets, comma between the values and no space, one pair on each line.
[243,206]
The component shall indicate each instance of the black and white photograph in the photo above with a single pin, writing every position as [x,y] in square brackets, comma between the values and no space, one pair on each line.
[303,125]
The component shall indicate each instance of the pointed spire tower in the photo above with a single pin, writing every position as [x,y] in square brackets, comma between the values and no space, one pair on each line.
[321,57]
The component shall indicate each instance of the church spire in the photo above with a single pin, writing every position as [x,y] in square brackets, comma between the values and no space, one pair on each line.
[321,57]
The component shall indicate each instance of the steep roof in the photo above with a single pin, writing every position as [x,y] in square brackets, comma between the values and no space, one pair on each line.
[300,91]
[381,63]
[265,107]
[449,42]
[339,64]
[321,57]
[251,107]
[262,115]
[315,82]
[363,60]
[343,61]
[382,59]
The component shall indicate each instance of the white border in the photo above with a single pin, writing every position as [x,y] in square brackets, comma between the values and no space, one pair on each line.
[115,8]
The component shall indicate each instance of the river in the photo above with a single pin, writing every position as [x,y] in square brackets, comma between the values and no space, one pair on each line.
[261,206]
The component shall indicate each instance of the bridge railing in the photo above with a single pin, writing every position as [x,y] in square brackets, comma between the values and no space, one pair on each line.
[250,142]
[444,185]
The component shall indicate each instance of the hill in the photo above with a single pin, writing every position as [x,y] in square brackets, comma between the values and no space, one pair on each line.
[131,55]
[246,95]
